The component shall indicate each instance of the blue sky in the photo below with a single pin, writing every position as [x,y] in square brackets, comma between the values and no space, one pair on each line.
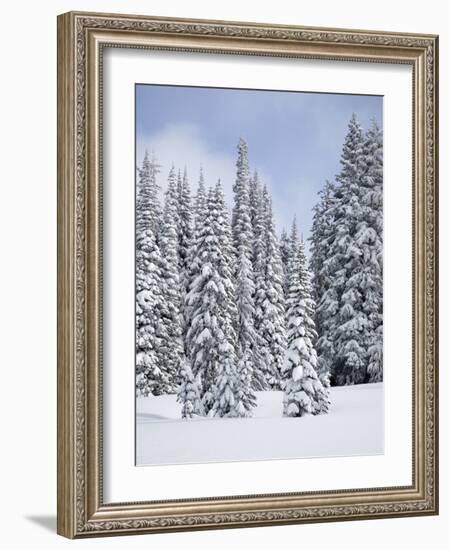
[294,138]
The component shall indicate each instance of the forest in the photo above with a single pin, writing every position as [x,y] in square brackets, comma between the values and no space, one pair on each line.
[226,306]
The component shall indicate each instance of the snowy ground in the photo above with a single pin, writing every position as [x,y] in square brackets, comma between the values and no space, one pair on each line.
[354,426]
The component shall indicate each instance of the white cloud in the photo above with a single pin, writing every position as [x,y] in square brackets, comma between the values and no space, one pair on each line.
[182,145]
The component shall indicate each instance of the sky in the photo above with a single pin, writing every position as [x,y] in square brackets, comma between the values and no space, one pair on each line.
[294,138]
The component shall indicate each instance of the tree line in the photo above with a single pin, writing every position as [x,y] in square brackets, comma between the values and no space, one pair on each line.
[217,315]
[224,308]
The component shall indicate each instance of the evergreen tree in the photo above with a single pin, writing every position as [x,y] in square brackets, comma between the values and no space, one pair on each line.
[171,345]
[342,301]
[229,398]
[186,223]
[150,377]
[303,391]
[149,207]
[188,393]
[285,252]
[179,185]
[360,312]
[247,348]
[347,262]
[264,375]
[210,335]
[375,356]
[185,238]
[172,195]
[234,396]
[200,201]
[245,397]
[272,327]
[193,261]
[369,237]
[226,260]
[256,215]
[292,246]
[201,298]
[321,235]
[311,330]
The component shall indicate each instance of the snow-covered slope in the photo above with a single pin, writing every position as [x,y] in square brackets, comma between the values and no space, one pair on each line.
[354,426]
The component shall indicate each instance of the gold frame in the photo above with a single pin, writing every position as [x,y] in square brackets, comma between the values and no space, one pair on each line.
[81,37]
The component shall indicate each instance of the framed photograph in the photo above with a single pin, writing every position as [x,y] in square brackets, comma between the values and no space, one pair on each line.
[247,274]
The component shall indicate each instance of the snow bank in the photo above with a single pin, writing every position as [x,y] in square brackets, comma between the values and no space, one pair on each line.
[354,426]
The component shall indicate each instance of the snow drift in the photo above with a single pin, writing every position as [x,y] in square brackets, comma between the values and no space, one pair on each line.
[354,426]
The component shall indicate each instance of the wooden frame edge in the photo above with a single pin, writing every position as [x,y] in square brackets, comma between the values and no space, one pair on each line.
[65,215]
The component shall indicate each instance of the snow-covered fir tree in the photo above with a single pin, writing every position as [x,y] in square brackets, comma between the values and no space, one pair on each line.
[151,213]
[347,240]
[271,327]
[200,200]
[292,247]
[210,335]
[263,373]
[247,348]
[304,393]
[375,356]
[258,218]
[179,185]
[321,235]
[186,219]
[245,395]
[226,260]
[255,204]
[311,329]
[150,377]
[193,261]
[201,298]
[185,230]
[171,345]
[234,393]
[285,252]
[370,238]
[225,401]
[188,394]
[352,322]
[172,195]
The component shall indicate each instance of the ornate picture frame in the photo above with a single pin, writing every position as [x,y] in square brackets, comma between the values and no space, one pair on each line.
[82,39]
